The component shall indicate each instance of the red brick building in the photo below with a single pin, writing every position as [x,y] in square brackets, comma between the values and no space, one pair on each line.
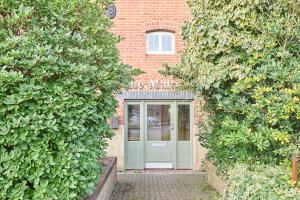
[157,126]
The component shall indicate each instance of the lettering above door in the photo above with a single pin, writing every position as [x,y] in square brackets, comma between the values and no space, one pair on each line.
[154,84]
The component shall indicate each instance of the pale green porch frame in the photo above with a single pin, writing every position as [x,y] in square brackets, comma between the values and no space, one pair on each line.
[136,149]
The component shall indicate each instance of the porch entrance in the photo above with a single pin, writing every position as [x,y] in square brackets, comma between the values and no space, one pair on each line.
[158,134]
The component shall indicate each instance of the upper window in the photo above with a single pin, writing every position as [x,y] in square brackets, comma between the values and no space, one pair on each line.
[160,42]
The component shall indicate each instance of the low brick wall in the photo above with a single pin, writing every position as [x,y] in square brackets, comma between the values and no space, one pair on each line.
[108,180]
[214,180]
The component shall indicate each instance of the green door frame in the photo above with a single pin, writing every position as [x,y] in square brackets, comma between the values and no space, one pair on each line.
[136,147]
[191,141]
[168,145]
[139,146]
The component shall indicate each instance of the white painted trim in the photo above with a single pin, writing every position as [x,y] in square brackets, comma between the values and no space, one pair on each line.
[156,165]
[160,34]
[158,144]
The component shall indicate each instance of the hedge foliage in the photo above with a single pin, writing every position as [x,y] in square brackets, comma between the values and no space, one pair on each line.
[59,69]
[259,182]
[242,57]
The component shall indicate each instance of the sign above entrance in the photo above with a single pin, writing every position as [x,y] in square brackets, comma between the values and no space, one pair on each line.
[154,85]
[155,94]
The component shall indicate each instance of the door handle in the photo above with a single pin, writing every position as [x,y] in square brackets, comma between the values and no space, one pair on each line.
[172,126]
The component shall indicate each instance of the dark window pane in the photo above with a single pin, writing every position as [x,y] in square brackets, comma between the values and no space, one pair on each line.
[183,123]
[133,122]
[158,123]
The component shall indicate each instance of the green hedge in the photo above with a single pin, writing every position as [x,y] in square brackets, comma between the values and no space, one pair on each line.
[242,57]
[246,182]
[59,69]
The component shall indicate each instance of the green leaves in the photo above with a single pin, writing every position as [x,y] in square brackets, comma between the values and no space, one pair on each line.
[242,57]
[54,57]
[251,182]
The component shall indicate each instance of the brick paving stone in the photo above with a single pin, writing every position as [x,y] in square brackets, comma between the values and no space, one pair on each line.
[163,186]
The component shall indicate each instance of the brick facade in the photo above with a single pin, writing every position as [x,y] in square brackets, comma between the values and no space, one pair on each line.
[133,20]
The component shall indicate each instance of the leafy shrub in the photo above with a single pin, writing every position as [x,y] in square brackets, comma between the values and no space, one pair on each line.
[59,69]
[242,57]
[259,182]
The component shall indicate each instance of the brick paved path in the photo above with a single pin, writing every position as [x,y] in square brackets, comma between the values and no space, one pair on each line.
[163,186]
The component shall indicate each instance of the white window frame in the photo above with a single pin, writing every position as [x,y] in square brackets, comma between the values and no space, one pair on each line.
[160,34]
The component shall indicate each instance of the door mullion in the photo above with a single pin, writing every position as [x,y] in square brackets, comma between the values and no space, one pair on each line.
[143,131]
[174,134]
[126,136]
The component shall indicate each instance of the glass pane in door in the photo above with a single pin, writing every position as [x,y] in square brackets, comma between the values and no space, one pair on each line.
[134,122]
[183,123]
[158,123]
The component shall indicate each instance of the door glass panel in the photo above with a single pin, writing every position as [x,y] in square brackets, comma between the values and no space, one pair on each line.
[158,123]
[183,123]
[133,122]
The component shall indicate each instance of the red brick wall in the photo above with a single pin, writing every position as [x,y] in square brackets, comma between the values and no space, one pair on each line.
[134,18]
